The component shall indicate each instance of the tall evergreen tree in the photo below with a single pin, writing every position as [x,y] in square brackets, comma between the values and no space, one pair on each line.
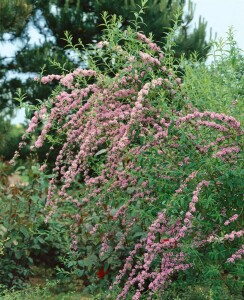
[82,19]
[14,16]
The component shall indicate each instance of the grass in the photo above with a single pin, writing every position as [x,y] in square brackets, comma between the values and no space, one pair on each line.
[47,292]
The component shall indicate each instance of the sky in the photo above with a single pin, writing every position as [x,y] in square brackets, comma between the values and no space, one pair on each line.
[219,14]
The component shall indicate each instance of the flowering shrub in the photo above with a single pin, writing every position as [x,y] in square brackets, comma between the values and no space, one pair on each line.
[155,184]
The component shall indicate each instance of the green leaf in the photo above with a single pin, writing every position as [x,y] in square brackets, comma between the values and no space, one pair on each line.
[137,234]
[19,254]
[79,272]
[71,264]
[131,190]
[101,152]
[80,263]
[24,230]
[41,240]
[90,261]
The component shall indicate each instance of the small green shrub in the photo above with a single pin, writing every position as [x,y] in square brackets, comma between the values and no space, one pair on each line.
[10,136]
[28,241]
[218,85]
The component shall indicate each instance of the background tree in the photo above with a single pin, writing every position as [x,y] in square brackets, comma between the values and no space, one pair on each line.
[14,19]
[14,16]
[81,18]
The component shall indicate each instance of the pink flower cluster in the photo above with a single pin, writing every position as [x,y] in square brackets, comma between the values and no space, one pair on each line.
[33,123]
[152,46]
[148,58]
[227,151]
[67,80]
[49,78]
[212,125]
[184,184]
[231,236]
[232,219]
[229,120]
[227,237]
[237,255]
[102,44]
